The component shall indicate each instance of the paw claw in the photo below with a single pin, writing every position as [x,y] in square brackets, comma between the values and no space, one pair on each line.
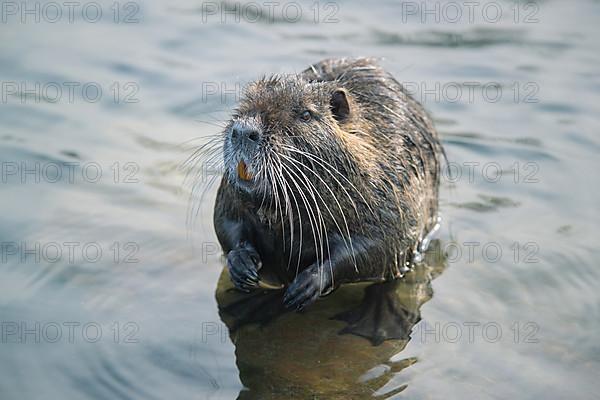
[243,263]
[305,289]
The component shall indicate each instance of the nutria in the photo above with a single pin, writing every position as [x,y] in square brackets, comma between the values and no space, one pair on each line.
[331,176]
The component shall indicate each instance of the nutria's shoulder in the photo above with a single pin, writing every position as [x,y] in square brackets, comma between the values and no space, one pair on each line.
[382,98]
[344,69]
[356,74]
[359,75]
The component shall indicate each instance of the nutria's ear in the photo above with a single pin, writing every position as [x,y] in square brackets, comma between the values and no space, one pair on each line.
[339,105]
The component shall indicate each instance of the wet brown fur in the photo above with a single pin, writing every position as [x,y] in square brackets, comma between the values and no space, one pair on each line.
[387,151]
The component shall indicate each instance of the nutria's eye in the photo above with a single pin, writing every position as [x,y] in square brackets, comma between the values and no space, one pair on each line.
[306,116]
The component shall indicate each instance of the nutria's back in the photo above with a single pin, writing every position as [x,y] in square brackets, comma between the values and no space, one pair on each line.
[335,169]
[406,152]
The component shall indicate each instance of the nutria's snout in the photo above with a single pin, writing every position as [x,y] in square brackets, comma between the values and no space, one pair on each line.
[244,134]
[244,146]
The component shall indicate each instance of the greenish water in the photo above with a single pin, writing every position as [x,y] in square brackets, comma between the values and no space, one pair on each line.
[104,295]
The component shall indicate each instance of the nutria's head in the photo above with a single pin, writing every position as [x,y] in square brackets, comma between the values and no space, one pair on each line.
[288,131]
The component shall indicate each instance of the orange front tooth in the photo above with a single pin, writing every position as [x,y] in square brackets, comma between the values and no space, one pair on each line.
[243,171]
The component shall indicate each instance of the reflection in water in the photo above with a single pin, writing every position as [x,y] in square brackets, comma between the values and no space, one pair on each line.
[339,348]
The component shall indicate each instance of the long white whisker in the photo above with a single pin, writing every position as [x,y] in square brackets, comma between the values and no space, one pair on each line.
[348,238]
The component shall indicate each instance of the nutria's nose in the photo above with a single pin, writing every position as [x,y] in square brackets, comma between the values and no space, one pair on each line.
[242,133]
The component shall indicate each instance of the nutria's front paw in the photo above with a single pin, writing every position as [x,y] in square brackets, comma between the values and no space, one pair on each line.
[307,287]
[243,263]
